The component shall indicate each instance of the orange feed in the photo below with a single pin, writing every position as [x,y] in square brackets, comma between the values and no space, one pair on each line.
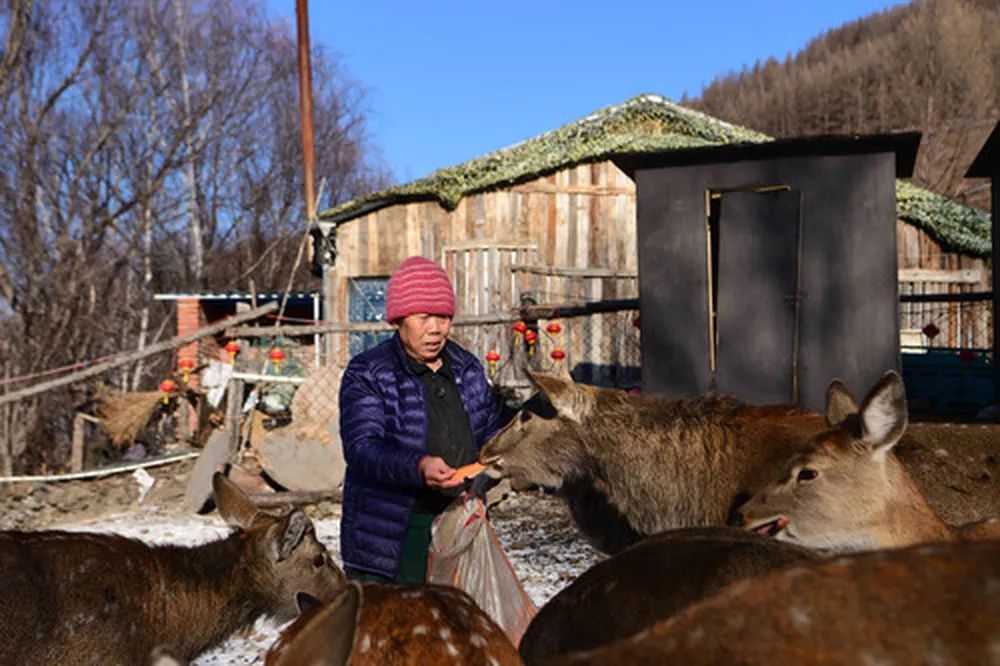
[467,471]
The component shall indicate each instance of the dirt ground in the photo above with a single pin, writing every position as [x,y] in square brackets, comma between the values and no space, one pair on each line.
[956,465]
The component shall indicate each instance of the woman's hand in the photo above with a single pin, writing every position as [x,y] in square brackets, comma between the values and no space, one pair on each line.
[437,473]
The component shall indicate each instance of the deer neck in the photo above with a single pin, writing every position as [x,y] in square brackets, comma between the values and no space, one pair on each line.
[208,593]
[907,518]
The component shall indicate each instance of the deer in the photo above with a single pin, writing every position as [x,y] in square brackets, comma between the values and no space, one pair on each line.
[845,491]
[88,598]
[374,624]
[649,582]
[927,604]
[630,466]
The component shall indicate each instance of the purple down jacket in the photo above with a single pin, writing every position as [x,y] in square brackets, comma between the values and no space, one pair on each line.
[383,429]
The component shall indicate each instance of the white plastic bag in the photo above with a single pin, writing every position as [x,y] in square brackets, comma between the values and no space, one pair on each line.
[465,553]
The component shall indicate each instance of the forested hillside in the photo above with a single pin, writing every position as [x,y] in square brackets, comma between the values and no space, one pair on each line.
[932,65]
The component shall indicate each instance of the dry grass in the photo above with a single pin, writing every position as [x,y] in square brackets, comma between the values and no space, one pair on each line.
[123,415]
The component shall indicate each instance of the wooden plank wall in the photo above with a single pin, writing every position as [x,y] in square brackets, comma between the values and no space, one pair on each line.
[582,217]
[926,268]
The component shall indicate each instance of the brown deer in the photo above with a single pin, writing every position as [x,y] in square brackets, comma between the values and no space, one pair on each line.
[104,599]
[928,604]
[379,624]
[846,491]
[633,465]
[649,582]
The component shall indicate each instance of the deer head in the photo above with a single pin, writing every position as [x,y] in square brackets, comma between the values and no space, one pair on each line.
[286,556]
[532,447]
[838,492]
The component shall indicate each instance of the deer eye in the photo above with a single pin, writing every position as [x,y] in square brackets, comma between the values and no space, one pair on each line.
[319,561]
[806,474]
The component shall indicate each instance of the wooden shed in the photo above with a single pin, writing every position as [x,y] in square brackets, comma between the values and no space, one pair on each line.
[554,216]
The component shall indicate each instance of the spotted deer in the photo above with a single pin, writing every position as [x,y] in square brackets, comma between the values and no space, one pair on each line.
[846,491]
[105,599]
[927,604]
[377,624]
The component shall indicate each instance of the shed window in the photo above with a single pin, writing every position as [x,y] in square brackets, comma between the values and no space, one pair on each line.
[366,302]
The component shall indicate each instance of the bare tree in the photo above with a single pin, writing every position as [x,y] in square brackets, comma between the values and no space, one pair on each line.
[147,144]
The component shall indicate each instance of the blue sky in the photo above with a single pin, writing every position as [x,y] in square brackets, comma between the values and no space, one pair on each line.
[451,80]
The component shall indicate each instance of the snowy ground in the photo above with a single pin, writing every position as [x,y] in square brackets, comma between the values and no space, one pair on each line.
[544,548]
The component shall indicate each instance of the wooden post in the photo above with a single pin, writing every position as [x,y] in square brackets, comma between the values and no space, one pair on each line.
[234,404]
[995,231]
[79,440]
[76,454]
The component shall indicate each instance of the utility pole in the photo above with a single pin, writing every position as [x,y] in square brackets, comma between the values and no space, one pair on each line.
[324,253]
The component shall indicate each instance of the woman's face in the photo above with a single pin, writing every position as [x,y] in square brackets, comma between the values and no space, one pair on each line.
[423,336]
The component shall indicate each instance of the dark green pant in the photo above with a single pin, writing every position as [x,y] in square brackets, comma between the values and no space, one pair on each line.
[413,556]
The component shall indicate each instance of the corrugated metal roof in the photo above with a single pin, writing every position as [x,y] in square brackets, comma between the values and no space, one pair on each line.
[236,296]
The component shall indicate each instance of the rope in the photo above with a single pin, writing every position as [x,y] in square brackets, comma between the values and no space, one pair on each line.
[56,371]
[104,471]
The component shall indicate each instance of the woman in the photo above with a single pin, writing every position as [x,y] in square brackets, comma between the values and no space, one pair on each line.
[412,410]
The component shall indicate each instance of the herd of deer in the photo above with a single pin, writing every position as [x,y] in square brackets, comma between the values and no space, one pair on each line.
[838,558]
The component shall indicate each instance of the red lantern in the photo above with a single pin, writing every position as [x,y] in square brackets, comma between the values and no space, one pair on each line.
[233,348]
[966,356]
[277,356]
[931,331]
[168,386]
[186,365]
[492,358]
[531,337]
[557,354]
[519,327]
[555,328]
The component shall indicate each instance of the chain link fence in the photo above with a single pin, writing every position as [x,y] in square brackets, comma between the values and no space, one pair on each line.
[946,342]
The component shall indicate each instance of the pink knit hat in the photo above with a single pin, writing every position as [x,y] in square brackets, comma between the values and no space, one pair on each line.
[419,286]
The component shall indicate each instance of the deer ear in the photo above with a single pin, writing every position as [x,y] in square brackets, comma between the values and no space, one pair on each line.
[883,414]
[234,506]
[839,403]
[570,401]
[295,529]
[328,638]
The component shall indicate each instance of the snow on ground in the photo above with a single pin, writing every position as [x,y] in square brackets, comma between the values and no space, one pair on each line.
[544,548]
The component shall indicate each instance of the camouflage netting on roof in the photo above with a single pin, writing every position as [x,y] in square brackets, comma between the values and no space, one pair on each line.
[647,123]
[956,227]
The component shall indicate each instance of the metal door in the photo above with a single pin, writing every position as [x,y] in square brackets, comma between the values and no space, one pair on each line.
[757,304]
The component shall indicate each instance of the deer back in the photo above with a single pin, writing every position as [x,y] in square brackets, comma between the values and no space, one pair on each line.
[101,598]
[936,603]
[647,583]
[399,624]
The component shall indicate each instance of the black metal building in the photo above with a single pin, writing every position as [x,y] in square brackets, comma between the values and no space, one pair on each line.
[768,269]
